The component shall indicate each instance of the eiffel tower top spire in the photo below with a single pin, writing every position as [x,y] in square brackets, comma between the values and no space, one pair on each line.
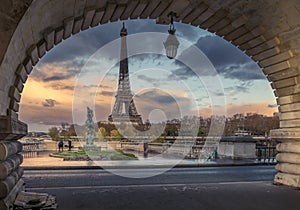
[123,31]
[124,109]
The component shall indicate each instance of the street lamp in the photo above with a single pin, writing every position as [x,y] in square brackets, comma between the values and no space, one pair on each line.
[171,44]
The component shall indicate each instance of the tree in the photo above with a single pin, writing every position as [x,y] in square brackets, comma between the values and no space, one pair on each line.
[54,134]
[101,133]
[115,135]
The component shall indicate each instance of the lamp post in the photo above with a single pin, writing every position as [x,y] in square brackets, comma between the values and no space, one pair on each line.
[171,44]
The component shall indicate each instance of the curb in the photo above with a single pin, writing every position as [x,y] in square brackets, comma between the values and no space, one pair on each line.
[199,165]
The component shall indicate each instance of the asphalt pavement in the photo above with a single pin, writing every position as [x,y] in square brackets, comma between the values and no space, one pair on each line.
[239,187]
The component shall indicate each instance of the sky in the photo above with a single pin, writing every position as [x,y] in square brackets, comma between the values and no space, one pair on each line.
[209,76]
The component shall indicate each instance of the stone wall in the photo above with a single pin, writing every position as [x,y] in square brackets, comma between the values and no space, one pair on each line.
[10,160]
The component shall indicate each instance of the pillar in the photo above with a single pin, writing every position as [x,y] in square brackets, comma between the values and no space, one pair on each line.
[11,183]
[288,157]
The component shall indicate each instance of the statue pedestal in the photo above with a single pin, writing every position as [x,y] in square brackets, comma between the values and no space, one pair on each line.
[91,147]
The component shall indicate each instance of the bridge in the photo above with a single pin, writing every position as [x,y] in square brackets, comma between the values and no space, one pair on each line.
[267,31]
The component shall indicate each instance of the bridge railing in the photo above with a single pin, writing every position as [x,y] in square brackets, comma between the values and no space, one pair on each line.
[266,153]
[31,149]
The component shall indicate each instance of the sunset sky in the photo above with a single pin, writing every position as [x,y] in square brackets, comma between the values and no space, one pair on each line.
[159,84]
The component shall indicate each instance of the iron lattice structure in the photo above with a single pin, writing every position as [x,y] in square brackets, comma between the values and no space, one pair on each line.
[124,109]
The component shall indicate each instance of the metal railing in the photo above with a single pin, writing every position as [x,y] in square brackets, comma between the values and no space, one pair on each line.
[31,149]
[266,153]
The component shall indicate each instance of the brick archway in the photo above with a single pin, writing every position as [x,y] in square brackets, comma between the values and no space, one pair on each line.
[267,31]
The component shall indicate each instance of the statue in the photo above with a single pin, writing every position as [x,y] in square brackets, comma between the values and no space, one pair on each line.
[90,129]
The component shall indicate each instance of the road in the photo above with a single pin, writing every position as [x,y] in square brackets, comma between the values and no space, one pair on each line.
[243,187]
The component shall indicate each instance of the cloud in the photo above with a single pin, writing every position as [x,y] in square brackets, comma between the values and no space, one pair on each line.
[244,72]
[227,59]
[157,97]
[272,105]
[240,87]
[182,73]
[49,103]
[146,78]
[107,93]
[58,71]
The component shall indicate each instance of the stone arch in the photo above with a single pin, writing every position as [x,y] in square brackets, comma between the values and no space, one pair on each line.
[267,31]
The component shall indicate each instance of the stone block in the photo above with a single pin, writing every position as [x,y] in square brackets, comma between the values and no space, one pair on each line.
[284,135]
[7,185]
[118,12]
[49,36]
[237,33]
[219,25]
[295,61]
[289,115]
[146,7]
[11,129]
[286,82]
[287,179]
[264,46]
[139,9]
[288,99]
[14,93]
[266,54]
[287,91]
[239,21]
[293,158]
[253,43]
[9,165]
[203,17]
[77,25]
[276,59]
[225,30]
[288,168]
[14,105]
[59,34]
[12,113]
[129,9]
[9,148]
[68,27]
[216,17]
[41,46]
[186,11]
[19,85]
[7,203]
[97,17]
[290,123]
[21,73]
[109,10]
[276,67]
[88,18]
[159,10]
[28,64]
[289,107]
[32,52]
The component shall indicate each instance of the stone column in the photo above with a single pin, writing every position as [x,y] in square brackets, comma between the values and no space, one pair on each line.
[11,129]
[288,157]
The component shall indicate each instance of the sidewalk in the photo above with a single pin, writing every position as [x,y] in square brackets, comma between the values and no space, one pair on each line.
[44,161]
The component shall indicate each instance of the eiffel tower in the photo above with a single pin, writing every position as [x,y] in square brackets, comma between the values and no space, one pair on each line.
[124,109]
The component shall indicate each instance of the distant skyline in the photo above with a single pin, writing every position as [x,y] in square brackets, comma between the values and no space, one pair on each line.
[48,93]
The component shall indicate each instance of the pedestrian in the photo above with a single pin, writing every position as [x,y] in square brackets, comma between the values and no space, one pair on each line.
[70,144]
[60,146]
